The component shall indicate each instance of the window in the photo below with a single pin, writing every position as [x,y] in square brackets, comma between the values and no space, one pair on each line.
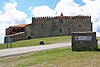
[22,30]
[79,25]
[18,30]
[14,30]
[41,25]
[60,30]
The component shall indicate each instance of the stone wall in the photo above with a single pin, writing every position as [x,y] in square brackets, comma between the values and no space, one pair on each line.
[60,26]
[28,31]
[80,24]
[16,37]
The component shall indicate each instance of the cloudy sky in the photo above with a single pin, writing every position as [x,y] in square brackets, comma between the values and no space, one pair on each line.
[14,12]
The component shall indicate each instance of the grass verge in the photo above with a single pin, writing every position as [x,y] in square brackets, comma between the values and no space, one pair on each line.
[60,57]
[35,42]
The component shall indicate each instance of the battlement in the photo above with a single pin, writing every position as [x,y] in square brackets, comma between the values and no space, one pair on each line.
[55,17]
[49,26]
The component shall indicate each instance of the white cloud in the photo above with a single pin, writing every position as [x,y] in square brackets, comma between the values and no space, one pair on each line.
[67,7]
[42,11]
[1,12]
[16,14]
[10,16]
[92,7]
[28,20]
[11,4]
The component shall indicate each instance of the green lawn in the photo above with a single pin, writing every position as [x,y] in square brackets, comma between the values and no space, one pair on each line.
[34,42]
[98,38]
[60,57]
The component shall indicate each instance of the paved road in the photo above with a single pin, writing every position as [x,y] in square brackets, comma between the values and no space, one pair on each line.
[98,42]
[13,51]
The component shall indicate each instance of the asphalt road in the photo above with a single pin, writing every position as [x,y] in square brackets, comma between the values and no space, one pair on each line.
[14,51]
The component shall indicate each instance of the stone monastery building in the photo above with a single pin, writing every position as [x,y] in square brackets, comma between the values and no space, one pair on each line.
[49,27]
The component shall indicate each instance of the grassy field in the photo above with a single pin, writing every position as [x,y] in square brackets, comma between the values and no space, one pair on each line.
[98,38]
[60,57]
[35,42]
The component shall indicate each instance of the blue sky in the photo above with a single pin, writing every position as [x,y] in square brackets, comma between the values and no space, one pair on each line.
[14,12]
[24,5]
[27,3]
[79,2]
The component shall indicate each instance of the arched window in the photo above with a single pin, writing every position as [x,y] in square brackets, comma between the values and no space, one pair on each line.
[29,37]
[22,30]
[13,30]
[18,30]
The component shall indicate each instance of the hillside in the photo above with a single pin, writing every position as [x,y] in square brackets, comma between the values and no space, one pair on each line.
[35,42]
[60,57]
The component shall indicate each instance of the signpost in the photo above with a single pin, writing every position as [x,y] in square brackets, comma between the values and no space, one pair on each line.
[84,41]
[83,38]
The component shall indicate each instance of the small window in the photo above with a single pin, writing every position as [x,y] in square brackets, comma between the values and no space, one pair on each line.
[41,25]
[18,30]
[79,25]
[22,30]
[14,30]
[60,30]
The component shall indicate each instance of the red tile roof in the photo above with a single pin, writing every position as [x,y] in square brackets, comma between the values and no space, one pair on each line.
[80,15]
[20,25]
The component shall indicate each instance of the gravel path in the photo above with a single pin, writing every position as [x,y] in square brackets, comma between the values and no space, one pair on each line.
[13,51]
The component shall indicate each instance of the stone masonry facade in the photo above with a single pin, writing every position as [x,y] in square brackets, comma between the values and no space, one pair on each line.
[54,26]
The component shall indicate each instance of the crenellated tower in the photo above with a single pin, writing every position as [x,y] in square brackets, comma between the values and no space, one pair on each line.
[60,25]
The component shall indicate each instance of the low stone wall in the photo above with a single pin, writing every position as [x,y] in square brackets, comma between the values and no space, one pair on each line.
[84,41]
[15,37]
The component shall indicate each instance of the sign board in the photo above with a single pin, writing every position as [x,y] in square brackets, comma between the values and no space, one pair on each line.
[83,38]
